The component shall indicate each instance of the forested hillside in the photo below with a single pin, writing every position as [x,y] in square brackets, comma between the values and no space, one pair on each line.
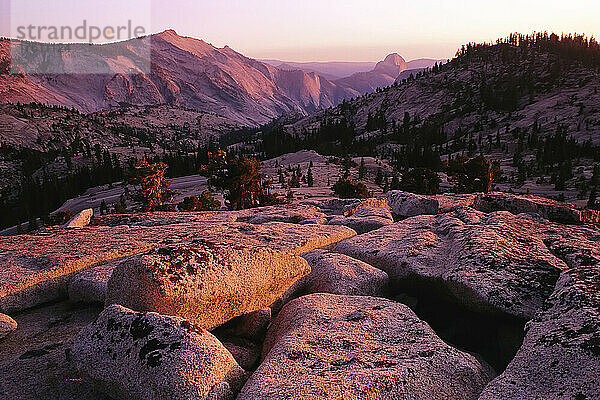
[531,102]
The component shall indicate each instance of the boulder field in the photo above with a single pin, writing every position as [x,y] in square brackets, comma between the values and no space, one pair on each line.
[340,299]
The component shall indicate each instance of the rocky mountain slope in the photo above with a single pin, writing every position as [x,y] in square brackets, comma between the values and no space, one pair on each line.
[532,107]
[168,69]
[545,88]
[36,140]
[461,297]
[334,70]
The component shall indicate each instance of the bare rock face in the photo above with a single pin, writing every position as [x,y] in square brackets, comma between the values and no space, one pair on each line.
[208,282]
[150,219]
[32,362]
[245,352]
[287,213]
[450,201]
[35,269]
[547,208]
[339,274]
[149,356]
[560,356]
[344,347]
[361,224]
[347,207]
[314,221]
[91,285]
[7,326]
[250,327]
[495,263]
[354,207]
[381,212]
[80,220]
[406,204]
[254,325]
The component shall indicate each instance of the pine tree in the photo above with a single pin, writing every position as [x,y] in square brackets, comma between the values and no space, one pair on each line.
[362,170]
[103,208]
[386,185]
[154,186]
[309,178]
[592,202]
[395,185]
[379,177]
[596,176]
[33,225]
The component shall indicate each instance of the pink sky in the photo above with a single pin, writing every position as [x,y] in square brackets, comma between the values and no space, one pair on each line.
[326,30]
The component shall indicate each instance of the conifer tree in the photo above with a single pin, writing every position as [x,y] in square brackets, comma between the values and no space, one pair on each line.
[154,188]
[379,177]
[309,178]
[362,170]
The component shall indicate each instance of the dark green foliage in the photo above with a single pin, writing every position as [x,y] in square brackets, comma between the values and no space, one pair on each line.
[206,202]
[103,208]
[60,218]
[310,180]
[289,197]
[348,189]
[421,181]
[593,200]
[395,184]
[475,175]
[33,225]
[242,180]
[362,170]
[121,206]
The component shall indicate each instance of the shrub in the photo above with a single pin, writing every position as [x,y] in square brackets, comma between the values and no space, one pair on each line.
[421,181]
[475,175]
[349,189]
[61,217]
[206,202]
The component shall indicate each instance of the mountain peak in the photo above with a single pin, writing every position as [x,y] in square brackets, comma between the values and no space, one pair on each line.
[167,33]
[393,65]
[394,59]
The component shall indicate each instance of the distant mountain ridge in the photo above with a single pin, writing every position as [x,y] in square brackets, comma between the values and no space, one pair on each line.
[334,70]
[185,72]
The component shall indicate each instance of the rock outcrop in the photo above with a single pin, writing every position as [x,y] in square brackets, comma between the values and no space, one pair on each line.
[82,219]
[344,347]
[149,356]
[339,274]
[33,364]
[489,263]
[361,224]
[37,268]
[91,285]
[293,214]
[380,212]
[560,356]
[7,326]
[347,207]
[474,277]
[404,204]
[208,282]
[547,208]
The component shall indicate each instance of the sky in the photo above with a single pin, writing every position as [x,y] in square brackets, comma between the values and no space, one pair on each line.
[322,30]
